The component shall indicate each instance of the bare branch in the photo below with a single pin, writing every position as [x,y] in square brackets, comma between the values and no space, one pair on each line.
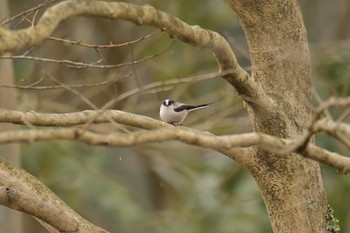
[29,204]
[339,130]
[110,45]
[231,145]
[33,86]
[79,118]
[21,191]
[330,158]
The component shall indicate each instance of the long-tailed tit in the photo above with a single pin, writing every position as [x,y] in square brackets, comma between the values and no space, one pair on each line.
[174,112]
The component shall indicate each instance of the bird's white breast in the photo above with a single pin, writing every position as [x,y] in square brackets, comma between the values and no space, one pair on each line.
[168,114]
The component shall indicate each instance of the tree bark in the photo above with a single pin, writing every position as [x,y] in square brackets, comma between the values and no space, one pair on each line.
[291,185]
[11,221]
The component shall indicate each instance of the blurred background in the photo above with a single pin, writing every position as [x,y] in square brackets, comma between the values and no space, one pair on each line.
[167,187]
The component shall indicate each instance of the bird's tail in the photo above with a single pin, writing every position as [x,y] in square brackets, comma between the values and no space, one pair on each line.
[191,108]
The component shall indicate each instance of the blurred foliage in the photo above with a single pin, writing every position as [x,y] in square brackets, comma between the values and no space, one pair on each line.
[168,187]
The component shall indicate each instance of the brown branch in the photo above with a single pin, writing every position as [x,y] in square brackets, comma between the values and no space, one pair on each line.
[339,130]
[35,206]
[80,118]
[231,145]
[85,117]
[21,191]
[333,159]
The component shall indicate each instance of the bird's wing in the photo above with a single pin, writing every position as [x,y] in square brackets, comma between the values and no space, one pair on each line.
[183,107]
[190,107]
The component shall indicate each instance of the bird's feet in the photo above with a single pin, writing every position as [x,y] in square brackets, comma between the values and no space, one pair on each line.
[175,124]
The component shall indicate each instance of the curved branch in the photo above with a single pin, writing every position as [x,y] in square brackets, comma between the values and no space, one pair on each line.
[11,41]
[80,118]
[85,117]
[230,145]
[21,191]
[37,207]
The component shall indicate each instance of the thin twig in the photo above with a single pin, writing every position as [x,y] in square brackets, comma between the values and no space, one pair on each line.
[28,12]
[75,92]
[110,45]
[80,65]
[33,87]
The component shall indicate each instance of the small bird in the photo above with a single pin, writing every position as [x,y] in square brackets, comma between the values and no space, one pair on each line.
[174,112]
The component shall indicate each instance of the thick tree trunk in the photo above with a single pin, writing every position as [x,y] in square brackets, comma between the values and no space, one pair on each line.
[291,185]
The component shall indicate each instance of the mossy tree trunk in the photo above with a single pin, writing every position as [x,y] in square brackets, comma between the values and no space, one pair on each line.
[291,185]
